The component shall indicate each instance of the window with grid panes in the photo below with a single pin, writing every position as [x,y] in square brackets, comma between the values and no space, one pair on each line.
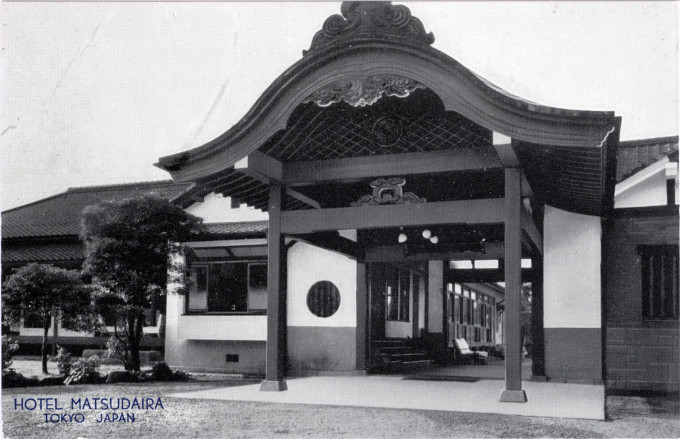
[659,276]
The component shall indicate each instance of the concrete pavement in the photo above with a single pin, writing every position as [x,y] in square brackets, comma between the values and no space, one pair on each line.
[544,399]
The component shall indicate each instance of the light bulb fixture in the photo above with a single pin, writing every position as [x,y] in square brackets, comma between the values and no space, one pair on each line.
[402,236]
[434,239]
[427,234]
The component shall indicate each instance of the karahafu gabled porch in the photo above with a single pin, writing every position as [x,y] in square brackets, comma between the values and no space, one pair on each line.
[373,100]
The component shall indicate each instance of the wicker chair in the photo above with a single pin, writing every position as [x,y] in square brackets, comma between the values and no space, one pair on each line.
[464,352]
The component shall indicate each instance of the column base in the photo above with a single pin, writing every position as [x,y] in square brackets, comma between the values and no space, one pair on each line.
[513,396]
[273,386]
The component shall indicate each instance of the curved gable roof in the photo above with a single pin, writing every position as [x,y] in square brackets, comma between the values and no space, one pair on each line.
[377,38]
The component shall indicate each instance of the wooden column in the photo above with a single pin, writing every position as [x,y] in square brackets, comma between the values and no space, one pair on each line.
[362,317]
[513,284]
[276,296]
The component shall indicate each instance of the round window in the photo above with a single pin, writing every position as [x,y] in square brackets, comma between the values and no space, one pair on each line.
[323,298]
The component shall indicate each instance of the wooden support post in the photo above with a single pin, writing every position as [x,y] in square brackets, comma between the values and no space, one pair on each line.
[276,296]
[513,285]
[362,317]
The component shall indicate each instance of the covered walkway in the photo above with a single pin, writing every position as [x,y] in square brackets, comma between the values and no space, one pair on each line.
[546,399]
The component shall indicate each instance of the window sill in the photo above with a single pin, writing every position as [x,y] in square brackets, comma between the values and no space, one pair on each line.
[235,313]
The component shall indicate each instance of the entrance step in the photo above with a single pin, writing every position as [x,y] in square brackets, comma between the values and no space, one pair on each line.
[410,366]
[399,356]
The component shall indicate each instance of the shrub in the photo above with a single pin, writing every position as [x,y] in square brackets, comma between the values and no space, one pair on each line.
[9,346]
[161,372]
[83,371]
[63,359]
[116,348]
[180,375]
[121,376]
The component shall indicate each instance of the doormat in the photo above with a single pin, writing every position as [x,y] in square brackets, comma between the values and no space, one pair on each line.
[464,379]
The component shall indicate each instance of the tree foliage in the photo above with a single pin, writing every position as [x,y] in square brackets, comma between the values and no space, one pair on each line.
[129,244]
[46,291]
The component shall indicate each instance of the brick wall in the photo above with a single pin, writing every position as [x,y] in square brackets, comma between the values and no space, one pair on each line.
[640,354]
[643,359]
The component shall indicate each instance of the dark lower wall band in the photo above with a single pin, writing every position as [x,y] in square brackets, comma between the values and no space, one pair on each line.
[246,357]
[573,353]
[314,348]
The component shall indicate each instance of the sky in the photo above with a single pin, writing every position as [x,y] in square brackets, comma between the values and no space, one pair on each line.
[95,93]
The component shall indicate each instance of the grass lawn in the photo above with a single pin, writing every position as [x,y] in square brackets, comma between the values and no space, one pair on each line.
[630,417]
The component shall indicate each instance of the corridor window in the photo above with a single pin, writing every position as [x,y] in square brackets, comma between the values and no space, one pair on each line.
[398,289]
[404,295]
[227,287]
[659,276]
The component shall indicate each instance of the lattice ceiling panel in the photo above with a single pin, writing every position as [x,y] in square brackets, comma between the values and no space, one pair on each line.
[341,131]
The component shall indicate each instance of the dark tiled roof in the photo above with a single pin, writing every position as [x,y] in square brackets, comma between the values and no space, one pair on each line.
[635,155]
[241,228]
[59,215]
[74,251]
[42,252]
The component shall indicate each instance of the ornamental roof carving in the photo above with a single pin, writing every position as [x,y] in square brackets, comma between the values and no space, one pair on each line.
[361,92]
[370,19]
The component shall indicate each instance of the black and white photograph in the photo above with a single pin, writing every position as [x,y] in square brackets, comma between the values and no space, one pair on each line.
[339,219]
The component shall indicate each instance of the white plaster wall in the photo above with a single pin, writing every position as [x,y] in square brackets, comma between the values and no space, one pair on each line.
[63,332]
[435,309]
[350,234]
[572,281]
[207,327]
[397,329]
[650,192]
[307,265]
[39,331]
[216,208]
[174,308]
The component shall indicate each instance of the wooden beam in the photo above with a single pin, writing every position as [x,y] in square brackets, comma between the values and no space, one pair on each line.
[334,242]
[503,146]
[265,165]
[276,296]
[395,253]
[266,169]
[302,197]
[513,287]
[460,159]
[483,275]
[531,231]
[485,211]
[506,153]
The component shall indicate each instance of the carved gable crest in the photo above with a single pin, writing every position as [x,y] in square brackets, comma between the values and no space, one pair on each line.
[379,19]
[388,191]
